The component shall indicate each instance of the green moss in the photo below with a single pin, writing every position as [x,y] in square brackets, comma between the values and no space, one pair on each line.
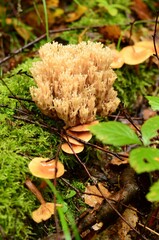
[19,142]
[133,82]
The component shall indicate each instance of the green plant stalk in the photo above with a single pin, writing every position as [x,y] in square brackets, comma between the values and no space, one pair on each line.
[46,20]
[62,216]
[77,2]
[64,224]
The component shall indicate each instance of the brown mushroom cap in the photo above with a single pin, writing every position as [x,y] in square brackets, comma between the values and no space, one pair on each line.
[85,136]
[72,140]
[45,168]
[118,60]
[134,55]
[44,212]
[83,127]
[77,149]
[147,44]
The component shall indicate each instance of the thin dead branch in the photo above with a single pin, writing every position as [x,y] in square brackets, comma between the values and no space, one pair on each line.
[155,36]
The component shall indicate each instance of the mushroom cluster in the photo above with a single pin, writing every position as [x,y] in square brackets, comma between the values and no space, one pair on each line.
[48,169]
[80,132]
[74,82]
[133,55]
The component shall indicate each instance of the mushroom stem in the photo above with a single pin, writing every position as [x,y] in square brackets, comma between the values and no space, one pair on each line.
[35,191]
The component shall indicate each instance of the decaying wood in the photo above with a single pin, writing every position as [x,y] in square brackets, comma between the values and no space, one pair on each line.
[110,209]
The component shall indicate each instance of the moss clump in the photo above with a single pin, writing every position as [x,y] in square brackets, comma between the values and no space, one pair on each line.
[19,142]
[133,82]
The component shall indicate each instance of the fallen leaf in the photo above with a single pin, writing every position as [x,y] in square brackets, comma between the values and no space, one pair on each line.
[117,161]
[97,226]
[36,19]
[93,196]
[71,17]
[110,32]
[148,113]
[22,29]
[52,3]
[141,9]
[130,217]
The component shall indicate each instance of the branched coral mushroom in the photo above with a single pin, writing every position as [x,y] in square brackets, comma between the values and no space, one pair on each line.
[74,82]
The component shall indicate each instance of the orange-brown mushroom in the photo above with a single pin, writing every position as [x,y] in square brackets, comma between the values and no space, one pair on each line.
[85,136]
[76,148]
[45,168]
[72,140]
[82,132]
[134,55]
[146,44]
[46,209]
[44,212]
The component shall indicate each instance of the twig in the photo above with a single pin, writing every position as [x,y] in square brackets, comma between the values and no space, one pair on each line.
[131,31]
[34,190]
[22,105]
[96,146]
[21,99]
[79,160]
[154,36]
[39,39]
[149,229]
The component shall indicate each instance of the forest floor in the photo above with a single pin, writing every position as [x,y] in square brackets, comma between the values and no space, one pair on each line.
[105,191]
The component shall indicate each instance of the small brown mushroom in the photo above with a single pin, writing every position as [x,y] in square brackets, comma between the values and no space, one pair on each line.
[134,55]
[85,136]
[45,168]
[72,140]
[44,212]
[76,148]
[81,132]
[46,209]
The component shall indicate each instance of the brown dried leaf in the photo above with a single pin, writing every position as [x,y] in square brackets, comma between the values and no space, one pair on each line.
[93,200]
[36,19]
[117,161]
[110,32]
[22,29]
[52,3]
[141,9]
[131,217]
[148,113]
[71,17]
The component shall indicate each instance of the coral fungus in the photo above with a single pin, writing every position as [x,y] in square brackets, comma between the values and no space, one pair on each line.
[74,82]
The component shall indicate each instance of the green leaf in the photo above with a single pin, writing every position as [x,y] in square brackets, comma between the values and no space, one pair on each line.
[70,194]
[154,102]
[112,10]
[150,129]
[144,159]
[115,133]
[153,194]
